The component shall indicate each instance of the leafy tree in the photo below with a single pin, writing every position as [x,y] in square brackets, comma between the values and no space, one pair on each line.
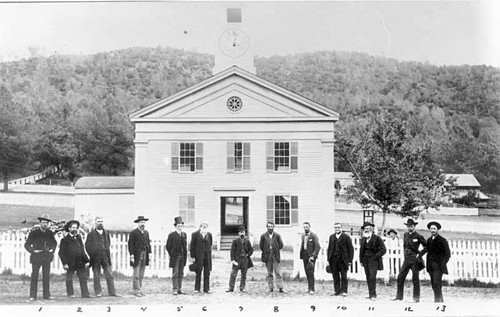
[390,175]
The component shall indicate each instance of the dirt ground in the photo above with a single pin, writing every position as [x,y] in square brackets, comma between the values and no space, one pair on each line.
[14,290]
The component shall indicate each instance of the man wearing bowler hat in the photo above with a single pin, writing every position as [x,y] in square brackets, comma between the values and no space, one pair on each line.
[177,249]
[139,248]
[74,259]
[372,249]
[438,255]
[201,250]
[412,240]
[41,244]
[241,251]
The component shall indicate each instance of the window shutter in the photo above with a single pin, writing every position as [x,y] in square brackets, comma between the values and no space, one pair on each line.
[295,210]
[246,156]
[269,156]
[199,156]
[230,156]
[270,208]
[175,156]
[294,156]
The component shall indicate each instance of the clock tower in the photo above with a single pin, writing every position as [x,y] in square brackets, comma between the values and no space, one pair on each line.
[234,46]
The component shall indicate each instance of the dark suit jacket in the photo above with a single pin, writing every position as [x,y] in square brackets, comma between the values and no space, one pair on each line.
[201,248]
[177,245]
[69,251]
[345,249]
[236,251]
[43,241]
[136,240]
[376,244]
[438,251]
[266,243]
[92,246]
[411,242]
[313,246]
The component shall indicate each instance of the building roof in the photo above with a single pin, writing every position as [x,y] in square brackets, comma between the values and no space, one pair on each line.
[106,182]
[141,114]
[464,180]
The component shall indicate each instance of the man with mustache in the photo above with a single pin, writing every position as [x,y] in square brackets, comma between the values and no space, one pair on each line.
[201,250]
[177,250]
[309,249]
[139,248]
[271,245]
[74,259]
[372,248]
[241,251]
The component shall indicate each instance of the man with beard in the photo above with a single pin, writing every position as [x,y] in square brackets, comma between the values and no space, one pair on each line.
[309,249]
[241,251]
[340,255]
[372,249]
[74,259]
[201,250]
[438,255]
[139,248]
[41,244]
[97,245]
[177,249]
[411,242]
[271,245]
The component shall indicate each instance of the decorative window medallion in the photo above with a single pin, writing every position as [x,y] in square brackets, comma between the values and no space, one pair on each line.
[234,104]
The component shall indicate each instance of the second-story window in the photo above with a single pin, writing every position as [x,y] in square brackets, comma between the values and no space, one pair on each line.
[238,156]
[282,156]
[187,156]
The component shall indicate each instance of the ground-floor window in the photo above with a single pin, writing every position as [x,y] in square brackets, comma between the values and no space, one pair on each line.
[283,209]
[187,208]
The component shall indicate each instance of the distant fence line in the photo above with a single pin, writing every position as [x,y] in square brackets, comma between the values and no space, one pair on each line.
[33,178]
[469,259]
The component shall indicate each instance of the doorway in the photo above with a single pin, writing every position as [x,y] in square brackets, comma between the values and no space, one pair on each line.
[234,213]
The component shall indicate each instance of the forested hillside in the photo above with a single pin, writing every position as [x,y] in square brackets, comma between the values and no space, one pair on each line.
[73,111]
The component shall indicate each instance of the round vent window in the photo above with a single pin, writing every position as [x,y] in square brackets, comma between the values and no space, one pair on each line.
[234,104]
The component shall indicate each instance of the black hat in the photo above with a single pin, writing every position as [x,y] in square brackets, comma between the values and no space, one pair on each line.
[44,217]
[241,228]
[328,269]
[178,220]
[70,223]
[392,230]
[411,222]
[140,218]
[192,267]
[366,224]
[437,224]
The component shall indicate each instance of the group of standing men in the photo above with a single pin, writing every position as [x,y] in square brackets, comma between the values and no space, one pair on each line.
[73,253]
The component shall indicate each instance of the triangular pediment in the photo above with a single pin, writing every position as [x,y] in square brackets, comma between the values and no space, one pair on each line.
[234,94]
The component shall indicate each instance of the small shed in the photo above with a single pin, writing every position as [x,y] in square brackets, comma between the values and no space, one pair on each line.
[109,197]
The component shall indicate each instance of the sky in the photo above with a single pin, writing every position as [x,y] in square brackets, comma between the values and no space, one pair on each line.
[437,32]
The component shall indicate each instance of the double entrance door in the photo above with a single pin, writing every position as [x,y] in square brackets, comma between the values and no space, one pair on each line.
[234,213]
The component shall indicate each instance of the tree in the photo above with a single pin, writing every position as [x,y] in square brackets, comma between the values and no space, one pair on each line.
[390,175]
[15,146]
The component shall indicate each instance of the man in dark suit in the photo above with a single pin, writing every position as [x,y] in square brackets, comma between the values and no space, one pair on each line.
[41,244]
[372,249]
[241,251]
[438,255]
[74,259]
[177,249]
[309,249]
[97,245]
[271,245]
[340,255]
[201,250]
[139,248]
[411,242]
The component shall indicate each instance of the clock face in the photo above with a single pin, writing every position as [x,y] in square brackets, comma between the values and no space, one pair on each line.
[234,42]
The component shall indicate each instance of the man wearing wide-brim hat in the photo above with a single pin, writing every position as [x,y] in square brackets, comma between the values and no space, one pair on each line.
[372,248]
[412,240]
[74,259]
[41,244]
[241,251]
[177,250]
[438,255]
[139,248]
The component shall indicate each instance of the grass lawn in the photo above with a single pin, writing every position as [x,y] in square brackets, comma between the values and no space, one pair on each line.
[14,290]
[13,215]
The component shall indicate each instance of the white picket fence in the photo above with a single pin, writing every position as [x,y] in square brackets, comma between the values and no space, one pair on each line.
[469,259]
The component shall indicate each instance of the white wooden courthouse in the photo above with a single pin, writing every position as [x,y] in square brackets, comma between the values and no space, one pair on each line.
[235,150]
